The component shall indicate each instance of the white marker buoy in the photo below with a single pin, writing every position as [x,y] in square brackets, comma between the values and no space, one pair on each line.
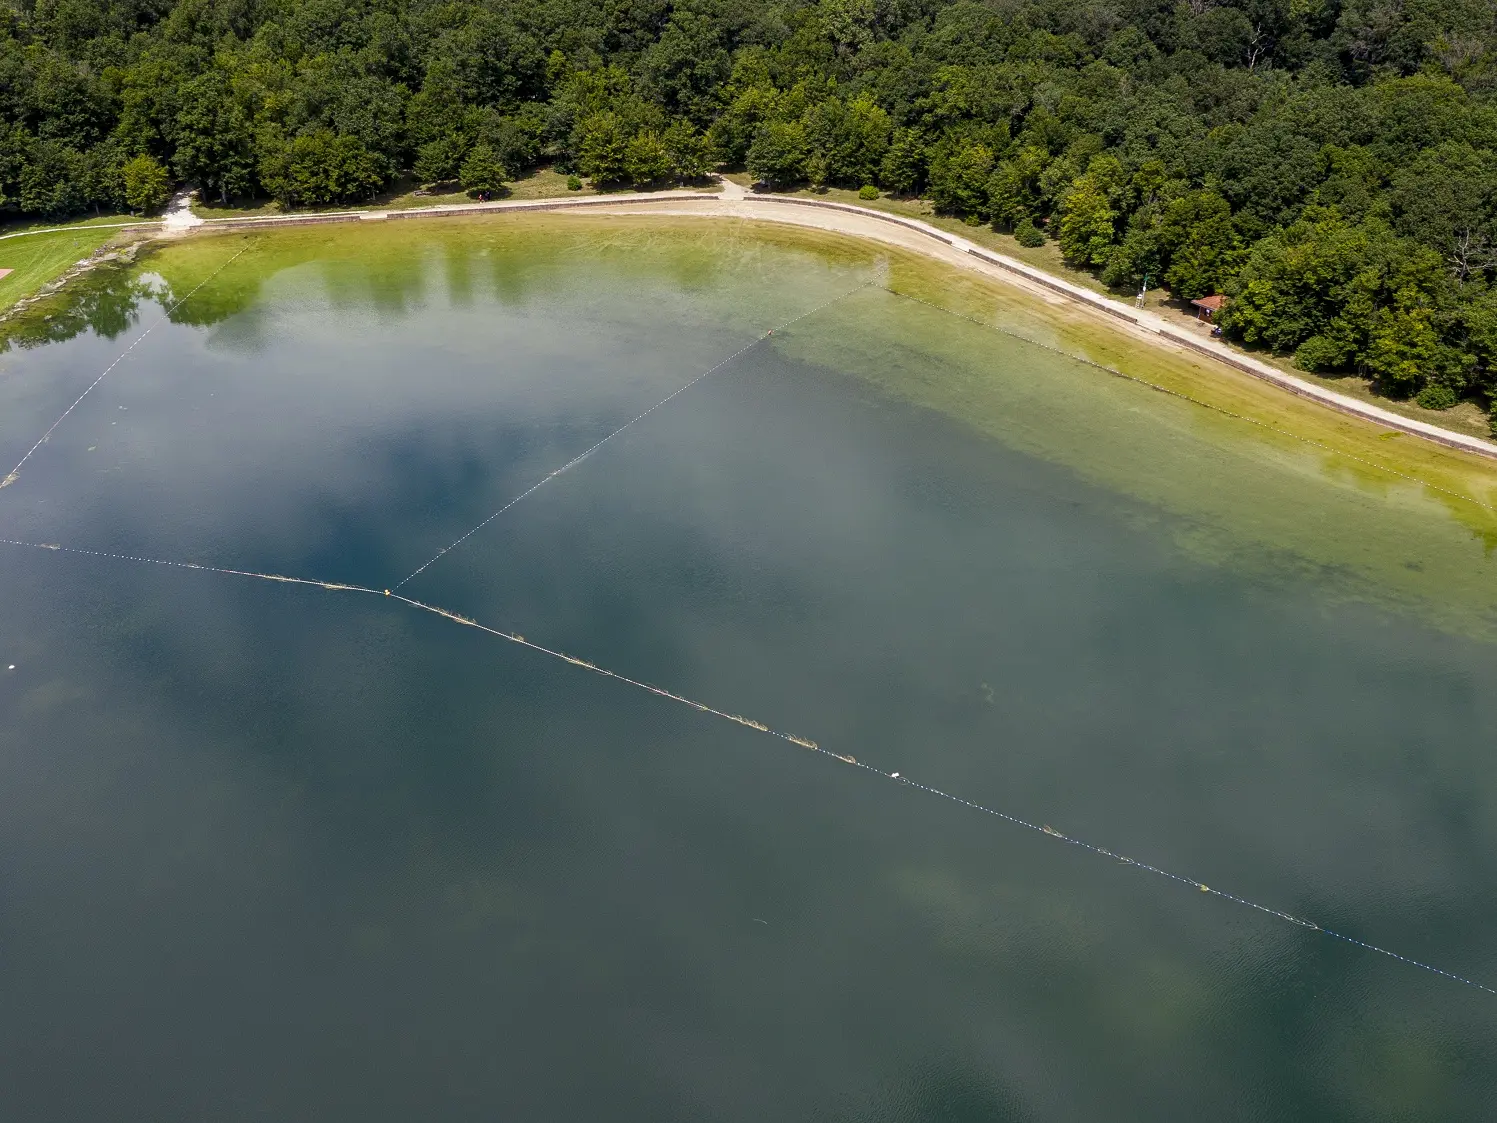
[893,775]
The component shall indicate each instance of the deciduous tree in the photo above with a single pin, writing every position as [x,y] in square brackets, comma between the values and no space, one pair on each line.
[603,154]
[959,180]
[145,182]
[778,154]
[482,174]
[647,159]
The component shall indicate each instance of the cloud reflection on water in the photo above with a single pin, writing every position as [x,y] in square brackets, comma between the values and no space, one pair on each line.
[292,851]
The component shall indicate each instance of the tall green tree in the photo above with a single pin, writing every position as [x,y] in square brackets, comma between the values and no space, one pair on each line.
[441,158]
[902,169]
[850,138]
[145,183]
[603,153]
[213,136]
[482,174]
[318,168]
[688,151]
[778,154]
[1014,192]
[1088,230]
[647,159]
[959,180]
[1404,351]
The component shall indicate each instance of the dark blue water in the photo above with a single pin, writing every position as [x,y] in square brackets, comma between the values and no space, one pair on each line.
[273,852]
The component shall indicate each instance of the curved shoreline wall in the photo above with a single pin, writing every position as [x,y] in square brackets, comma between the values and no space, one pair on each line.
[1149,322]
[743,205]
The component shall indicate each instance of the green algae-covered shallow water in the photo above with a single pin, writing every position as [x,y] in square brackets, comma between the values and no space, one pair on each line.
[276,852]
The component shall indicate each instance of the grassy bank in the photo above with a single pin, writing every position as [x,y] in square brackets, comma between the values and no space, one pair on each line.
[37,258]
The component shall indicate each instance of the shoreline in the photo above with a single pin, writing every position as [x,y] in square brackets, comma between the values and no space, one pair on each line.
[862,222]
[1236,472]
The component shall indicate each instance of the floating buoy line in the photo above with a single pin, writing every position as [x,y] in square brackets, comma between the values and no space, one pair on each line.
[880,281]
[896,777]
[578,459]
[10,477]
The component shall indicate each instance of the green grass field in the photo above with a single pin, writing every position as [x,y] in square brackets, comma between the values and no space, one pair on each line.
[38,258]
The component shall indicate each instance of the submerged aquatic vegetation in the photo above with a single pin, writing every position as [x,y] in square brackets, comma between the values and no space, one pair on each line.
[1248,476]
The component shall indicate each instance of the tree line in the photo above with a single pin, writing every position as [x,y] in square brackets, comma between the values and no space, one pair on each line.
[1330,165]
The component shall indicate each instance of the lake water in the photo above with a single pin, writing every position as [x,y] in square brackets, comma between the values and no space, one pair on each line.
[274,852]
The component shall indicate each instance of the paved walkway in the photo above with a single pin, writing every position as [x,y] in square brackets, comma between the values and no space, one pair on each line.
[910,233]
[179,217]
[953,248]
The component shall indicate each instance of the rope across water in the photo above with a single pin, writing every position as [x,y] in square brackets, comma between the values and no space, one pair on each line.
[578,459]
[16,471]
[760,727]
[801,742]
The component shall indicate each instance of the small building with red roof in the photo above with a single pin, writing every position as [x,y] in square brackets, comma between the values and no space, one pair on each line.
[1208,306]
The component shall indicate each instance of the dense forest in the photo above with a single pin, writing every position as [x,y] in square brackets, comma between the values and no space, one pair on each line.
[1331,165]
